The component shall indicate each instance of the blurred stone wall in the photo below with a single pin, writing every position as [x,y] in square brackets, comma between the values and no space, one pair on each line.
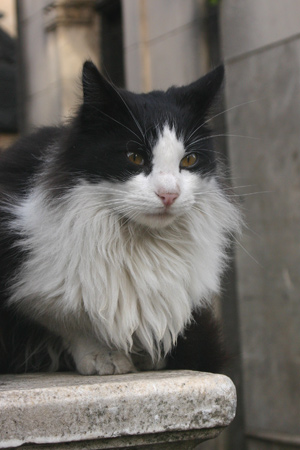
[164,43]
[8,72]
[261,47]
[56,37]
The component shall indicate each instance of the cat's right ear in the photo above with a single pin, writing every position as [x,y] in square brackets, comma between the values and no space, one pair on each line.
[201,94]
[95,87]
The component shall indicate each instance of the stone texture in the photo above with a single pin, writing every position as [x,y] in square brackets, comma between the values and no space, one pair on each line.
[168,42]
[55,42]
[178,440]
[32,7]
[178,58]
[249,25]
[40,115]
[133,68]
[131,23]
[173,15]
[59,408]
[269,288]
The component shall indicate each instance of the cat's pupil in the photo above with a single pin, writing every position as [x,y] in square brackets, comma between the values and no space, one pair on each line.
[136,158]
[189,160]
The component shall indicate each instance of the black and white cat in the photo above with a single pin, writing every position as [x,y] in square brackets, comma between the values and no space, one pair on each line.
[113,232]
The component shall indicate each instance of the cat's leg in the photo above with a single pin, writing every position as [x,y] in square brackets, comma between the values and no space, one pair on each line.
[94,357]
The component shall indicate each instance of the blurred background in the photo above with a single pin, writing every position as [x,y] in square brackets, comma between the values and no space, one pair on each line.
[152,44]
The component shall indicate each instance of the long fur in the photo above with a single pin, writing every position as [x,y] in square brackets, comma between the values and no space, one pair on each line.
[90,255]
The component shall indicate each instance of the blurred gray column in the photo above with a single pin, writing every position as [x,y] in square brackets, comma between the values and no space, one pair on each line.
[261,48]
[56,37]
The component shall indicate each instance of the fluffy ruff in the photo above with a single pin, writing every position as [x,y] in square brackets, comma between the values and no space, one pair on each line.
[130,286]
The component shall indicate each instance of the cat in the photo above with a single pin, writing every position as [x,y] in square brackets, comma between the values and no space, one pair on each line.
[114,232]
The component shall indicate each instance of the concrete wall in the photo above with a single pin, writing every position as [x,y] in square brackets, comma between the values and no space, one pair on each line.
[261,45]
[164,43]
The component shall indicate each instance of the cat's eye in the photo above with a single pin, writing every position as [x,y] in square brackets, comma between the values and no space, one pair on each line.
[135,158]
[189,161]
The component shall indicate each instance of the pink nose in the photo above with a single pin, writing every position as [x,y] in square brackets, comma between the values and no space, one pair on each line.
[167,198]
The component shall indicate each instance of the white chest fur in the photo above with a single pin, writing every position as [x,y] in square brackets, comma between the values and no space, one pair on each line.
[127,279]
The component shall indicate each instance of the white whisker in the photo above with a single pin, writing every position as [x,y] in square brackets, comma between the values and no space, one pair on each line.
[219,114]
[250,193]
[221,135]
[130,112]
[246,251]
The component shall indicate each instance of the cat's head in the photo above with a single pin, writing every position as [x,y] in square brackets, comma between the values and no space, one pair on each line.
[151,153]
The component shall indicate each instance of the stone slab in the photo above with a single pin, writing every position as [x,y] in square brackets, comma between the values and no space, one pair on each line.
[61,408]
[177,440]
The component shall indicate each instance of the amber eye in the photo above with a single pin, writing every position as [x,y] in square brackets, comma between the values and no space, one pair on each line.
[135,158]
[188,161]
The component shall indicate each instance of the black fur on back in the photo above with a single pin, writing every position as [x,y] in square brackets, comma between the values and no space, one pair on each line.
[21,161]
[18,166]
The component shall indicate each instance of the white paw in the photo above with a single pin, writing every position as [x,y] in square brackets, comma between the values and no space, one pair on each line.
[94,358]
[105,362]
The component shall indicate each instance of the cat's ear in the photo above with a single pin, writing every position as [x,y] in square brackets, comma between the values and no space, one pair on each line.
[202,93]
[95,87]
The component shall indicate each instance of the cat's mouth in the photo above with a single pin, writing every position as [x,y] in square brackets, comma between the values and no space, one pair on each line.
[165,213]
[158,218]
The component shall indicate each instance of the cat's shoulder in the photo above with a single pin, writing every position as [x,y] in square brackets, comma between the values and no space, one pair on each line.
[30,145]
[22,159]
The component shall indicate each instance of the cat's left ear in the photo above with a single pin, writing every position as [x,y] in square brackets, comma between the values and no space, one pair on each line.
[202,93]
[95,87]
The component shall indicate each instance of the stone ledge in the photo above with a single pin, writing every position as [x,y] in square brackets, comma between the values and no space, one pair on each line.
[113,411]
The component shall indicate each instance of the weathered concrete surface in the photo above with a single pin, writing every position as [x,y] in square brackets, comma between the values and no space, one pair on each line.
[250,25]
[60,408]
[268,161]
[269,288]
[164,43]
[176,440]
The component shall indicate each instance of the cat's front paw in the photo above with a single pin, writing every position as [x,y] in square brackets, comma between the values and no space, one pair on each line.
[92,357]
[105,362]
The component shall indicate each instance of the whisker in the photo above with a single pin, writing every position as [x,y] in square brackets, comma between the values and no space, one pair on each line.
[219,114]
[252,231]
[114,120]
[216,191]
[197,208]
[120,123]
[130,112]
[223,189]
[250,193]
[221,135]
[246,251]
